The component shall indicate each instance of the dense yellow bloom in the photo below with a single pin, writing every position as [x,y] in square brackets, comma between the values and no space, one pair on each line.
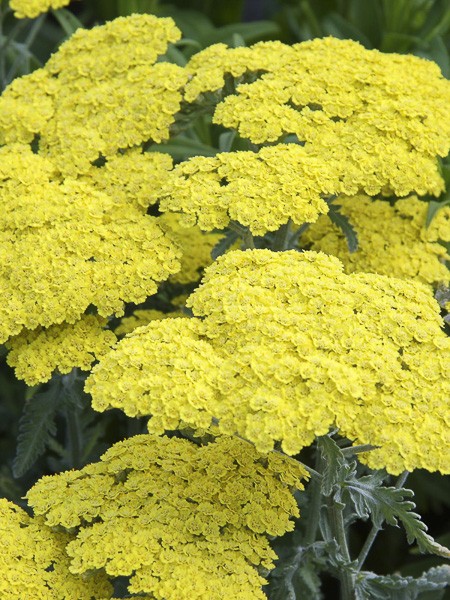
[379,119]
[285,346]
[142,317]
[33,8]
[259,190]
[102,92]
[133,177]
[26,106]
[195,246]
[392,239]
[183,521]
[34,565]
[36,354]
[65,246]
[207,69]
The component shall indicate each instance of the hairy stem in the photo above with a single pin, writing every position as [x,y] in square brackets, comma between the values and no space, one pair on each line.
[315,503]
[336,512]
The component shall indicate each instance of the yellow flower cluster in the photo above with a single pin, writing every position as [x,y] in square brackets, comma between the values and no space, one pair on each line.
[34,565]
[182,521]
[101,92]
[32,8]
[259,190]
[392,239]
[75,187]
[285,346]
[195,246]
[65,246]
[378,119]
[36,354]
[207,69]
[142,317]
[132,177]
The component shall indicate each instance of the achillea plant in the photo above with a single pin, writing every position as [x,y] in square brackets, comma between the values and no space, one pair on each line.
[33,562]
[184,521]
[33,8]
[408,248]
[288,347]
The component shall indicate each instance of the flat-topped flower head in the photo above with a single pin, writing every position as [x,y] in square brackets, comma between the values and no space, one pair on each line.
[382,119]
[133,177]
[65,246]
[260,190]
[103,92]
[36,354]
[208,68]
[284,346]
[181,521]
[33,562]
[392,239]
[32,8]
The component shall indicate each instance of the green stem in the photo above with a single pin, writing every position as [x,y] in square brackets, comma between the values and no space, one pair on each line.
[336,512]
[294,238]
[315,502]
[244,233]
[350,450]
[282,237]
[377,528]
[72,414]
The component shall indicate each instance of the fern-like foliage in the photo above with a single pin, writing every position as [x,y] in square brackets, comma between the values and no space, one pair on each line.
[36,427]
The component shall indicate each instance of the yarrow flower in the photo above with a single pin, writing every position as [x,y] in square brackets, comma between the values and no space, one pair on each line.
[209,68]
[181,521]
[132,177]
[65,246]
[259,190]
[378,119]
[102,92]
[33,562]
[404,248]
[36,354]
[284,346]
[33,8]
[142,317]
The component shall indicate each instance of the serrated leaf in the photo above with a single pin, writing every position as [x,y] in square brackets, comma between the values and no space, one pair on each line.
[369,586]
[335,470]
[298,576]
[36,426]
[391,504]
[224,244]
[361,507]
[442,296]
[344,225]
